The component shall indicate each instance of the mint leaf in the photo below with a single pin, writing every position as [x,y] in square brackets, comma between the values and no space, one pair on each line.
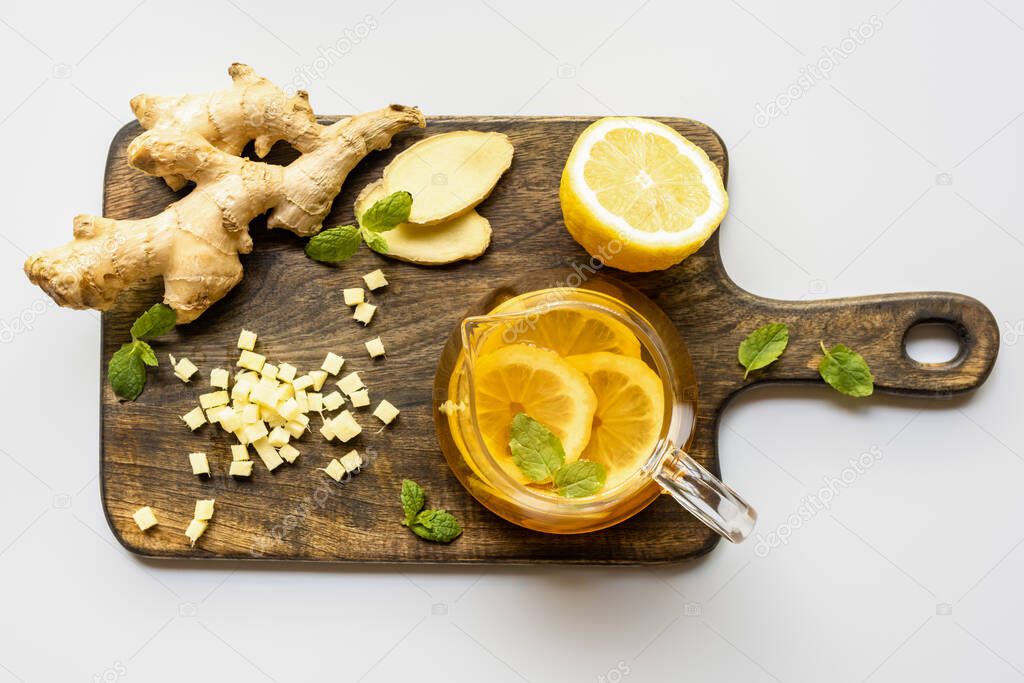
[127,371]
[580,478]
[159,319]
[763,346]
[387,213]
[536,451]
[413,499]
[436,525]
[375,241]
[334,244]
[846,371]
[145,352]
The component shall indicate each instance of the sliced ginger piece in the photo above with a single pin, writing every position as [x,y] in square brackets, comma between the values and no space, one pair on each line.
[462,238]
[448,174]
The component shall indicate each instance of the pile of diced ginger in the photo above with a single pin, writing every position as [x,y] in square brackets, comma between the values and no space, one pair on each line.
[268,406]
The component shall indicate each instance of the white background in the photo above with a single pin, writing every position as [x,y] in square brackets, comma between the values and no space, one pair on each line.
[900,171]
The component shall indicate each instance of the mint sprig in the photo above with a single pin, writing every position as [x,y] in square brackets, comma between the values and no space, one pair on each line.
[846,371]
[127,367]
[536,451]
[338,244]
[540,456]
[763,346]
[438,526]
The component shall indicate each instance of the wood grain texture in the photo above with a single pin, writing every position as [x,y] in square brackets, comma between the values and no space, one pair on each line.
[296,513]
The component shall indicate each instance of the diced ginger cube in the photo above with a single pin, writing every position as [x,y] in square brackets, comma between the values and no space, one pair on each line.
[249,376]
[319,379]
[250,414]
[145,518]
[286,372]
[240,468]
[345,426]
[364,313]
[200,463]
[332,363]
[353,296]
[241,390]
[268,371]
[289,409]
[284,392]
[315,402]
[375,280]
[251,361]
[184,369]
[350,383]
[360,399]
[385,412]
[279,437]
[296,429]
[333,400]
[204,510]
[268,454]
[194,418]
[352,461]
[239,452]
[229,420]
[375,347]
[302,383]
[326,430]
[254,431]
[288,453]
[264,393]
[195,529]
[247,340]
[214,399]
[219,378]
[335,470]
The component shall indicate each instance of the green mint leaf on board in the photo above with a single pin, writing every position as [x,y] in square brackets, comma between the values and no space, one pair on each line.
[387,213]
[437,526]
[763,346]
[334,244]
[413,499]
[127,372]
[159,319]
[846,371]
[145,352]
[580,478]
[375,241]
[536,451]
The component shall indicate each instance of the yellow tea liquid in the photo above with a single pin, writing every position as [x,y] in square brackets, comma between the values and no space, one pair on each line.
[568,359]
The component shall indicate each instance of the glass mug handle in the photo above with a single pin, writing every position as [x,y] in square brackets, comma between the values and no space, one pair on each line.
[705,496]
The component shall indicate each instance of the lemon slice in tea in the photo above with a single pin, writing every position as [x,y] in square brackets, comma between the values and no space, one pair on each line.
[630,408]
[527,379]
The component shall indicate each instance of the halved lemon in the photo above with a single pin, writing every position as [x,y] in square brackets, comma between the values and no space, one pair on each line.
[638,195]
[630,408]
[566,331]
[535,381]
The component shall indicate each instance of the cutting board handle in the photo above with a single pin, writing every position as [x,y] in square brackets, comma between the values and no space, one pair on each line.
[877,327]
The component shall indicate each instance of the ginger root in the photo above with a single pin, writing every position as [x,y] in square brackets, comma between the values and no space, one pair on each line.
[194,243]
[448,174]
[462,238]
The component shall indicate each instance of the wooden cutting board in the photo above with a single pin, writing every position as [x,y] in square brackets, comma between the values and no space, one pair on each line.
[295,305]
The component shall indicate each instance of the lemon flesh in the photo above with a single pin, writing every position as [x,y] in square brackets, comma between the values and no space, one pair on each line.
[638,195]
[630,409]
[527,379]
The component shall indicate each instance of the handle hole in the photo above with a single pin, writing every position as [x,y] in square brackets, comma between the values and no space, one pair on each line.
[933,343]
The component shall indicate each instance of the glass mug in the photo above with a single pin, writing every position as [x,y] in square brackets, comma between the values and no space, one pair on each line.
[667,468]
